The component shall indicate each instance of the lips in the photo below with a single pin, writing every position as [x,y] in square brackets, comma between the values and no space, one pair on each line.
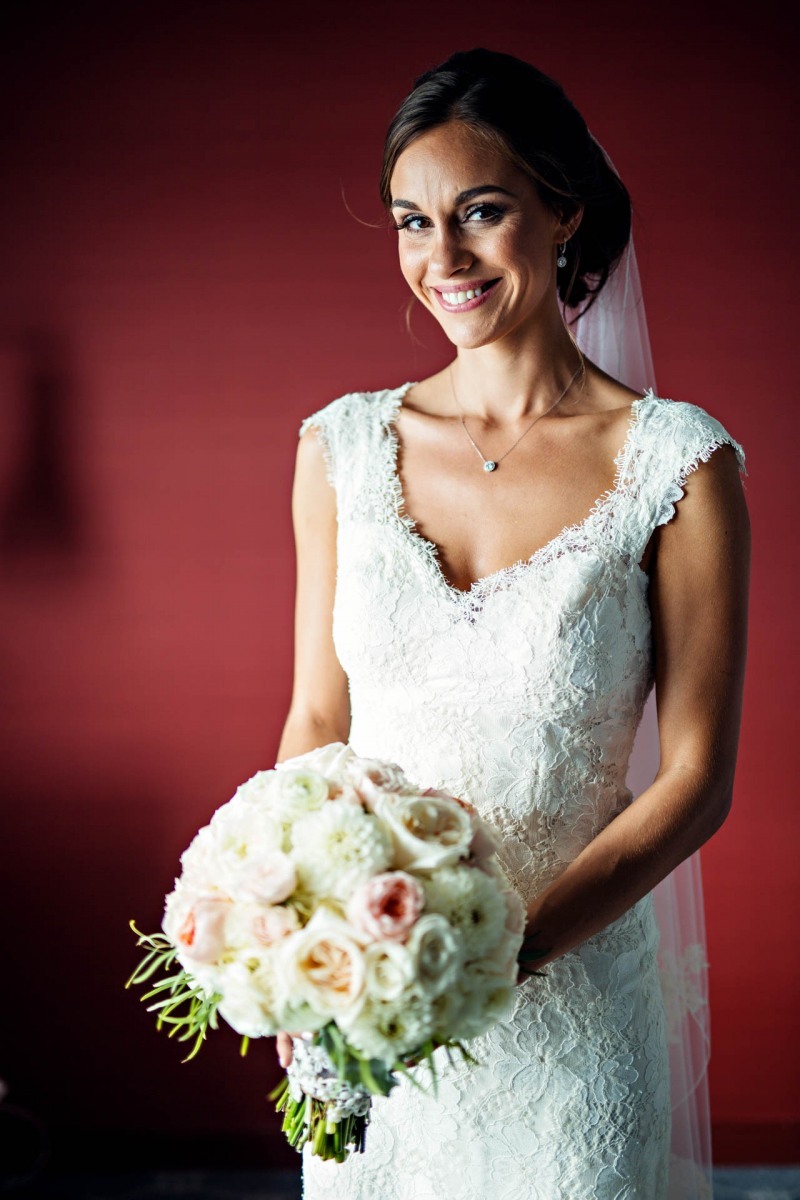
[487,285]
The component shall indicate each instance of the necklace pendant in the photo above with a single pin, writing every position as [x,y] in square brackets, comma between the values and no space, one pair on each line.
[489,465]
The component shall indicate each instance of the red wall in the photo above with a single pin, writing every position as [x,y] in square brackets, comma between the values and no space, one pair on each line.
[182,283]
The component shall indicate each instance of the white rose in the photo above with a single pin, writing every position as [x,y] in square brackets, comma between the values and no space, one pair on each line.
[248,997]
[269,879]
[372,777]
[330,760]
[259,789]
[436,953]
[244,836]
[251,927]
[199,861]
[426,831]
[323,965]
[390,969]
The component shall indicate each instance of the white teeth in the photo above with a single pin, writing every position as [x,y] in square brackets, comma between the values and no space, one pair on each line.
[462,297]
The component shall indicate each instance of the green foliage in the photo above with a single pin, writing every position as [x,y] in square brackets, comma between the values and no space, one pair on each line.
[176,992]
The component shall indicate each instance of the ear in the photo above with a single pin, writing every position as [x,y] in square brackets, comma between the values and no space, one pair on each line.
[570,223]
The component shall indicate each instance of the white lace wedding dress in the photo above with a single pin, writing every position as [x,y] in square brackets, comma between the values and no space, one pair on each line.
[523,695]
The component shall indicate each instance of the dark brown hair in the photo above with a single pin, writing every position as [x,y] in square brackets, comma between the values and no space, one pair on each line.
[528,116]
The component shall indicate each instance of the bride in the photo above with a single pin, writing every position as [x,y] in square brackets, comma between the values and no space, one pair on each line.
[496,565]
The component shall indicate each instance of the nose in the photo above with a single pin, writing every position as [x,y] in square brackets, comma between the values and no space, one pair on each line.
[449,252]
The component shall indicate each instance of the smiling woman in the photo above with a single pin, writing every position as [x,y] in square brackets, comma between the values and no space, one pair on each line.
[500,643]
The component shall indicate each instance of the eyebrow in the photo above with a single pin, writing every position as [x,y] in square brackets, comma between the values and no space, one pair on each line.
[469,194]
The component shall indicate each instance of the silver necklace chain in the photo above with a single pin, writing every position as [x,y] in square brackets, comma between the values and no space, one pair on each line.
[491,464]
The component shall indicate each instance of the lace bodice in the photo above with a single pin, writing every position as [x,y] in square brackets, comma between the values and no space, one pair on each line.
[522,694]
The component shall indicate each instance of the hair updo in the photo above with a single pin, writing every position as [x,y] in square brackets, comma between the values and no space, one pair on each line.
[526,115]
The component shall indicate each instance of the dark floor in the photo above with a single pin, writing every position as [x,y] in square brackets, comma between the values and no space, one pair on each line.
[731,1183]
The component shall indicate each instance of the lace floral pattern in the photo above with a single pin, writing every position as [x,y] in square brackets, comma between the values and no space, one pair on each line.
[522,694]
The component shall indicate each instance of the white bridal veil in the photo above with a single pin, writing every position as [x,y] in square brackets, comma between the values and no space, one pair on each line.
[612,333]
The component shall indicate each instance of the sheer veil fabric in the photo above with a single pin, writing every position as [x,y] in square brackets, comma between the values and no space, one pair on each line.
[613,334]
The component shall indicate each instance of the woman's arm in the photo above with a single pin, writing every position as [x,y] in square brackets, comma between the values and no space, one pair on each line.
[319,711]
[698,598]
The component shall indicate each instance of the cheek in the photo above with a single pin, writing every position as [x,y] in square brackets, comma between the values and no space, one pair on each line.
[412,262]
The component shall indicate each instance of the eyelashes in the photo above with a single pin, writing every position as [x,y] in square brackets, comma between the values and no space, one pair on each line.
[494,211]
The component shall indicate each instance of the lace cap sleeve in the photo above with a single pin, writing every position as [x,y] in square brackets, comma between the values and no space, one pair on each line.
[676,437]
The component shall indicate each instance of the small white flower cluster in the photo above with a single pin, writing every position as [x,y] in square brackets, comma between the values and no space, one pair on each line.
[312,1073]
[331,888]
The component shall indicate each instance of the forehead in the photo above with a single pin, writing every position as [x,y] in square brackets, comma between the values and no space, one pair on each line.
[450,158]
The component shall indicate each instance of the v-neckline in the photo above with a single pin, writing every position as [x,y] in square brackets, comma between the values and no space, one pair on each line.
[431,552]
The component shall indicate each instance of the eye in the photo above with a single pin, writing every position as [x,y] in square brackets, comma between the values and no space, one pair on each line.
[406,222]
[492,209]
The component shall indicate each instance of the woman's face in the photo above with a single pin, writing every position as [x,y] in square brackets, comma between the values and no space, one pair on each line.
[472,220]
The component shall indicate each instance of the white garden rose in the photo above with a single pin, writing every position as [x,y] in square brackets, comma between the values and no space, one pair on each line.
[339,848]
[199,867]
[268,878]
[436,952]
[472,903]
[427,831]
[390,969]
[251,927]
[258,790]
[372,777]
[323,965]
[244,837]
[249,997]
[329,760]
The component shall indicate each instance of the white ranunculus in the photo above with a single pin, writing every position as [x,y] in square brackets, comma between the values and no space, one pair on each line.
[299,791]
[387,1029]
[426,831]
[390,969]
[436,952]
[339,848]
[472,903]
[323,965]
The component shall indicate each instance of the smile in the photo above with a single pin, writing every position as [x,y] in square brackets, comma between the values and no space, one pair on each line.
[461,301]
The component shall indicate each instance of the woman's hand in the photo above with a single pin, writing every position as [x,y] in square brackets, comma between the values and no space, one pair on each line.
[531,950]
[284,1047]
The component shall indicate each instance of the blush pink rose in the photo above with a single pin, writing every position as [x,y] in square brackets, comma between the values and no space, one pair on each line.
[201,933]
[274,923]
[386,906]
[269,878]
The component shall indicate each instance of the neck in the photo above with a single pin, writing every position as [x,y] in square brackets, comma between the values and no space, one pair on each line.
[518,377]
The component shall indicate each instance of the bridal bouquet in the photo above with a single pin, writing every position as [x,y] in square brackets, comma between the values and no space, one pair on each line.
[331,895]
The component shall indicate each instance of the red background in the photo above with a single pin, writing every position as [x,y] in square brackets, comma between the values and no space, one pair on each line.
[182,283]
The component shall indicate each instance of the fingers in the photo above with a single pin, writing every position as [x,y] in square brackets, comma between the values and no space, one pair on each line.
[285,1052]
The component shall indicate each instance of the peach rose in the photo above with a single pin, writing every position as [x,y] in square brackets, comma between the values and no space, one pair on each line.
[199,930]
[387,905]
[323,965]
